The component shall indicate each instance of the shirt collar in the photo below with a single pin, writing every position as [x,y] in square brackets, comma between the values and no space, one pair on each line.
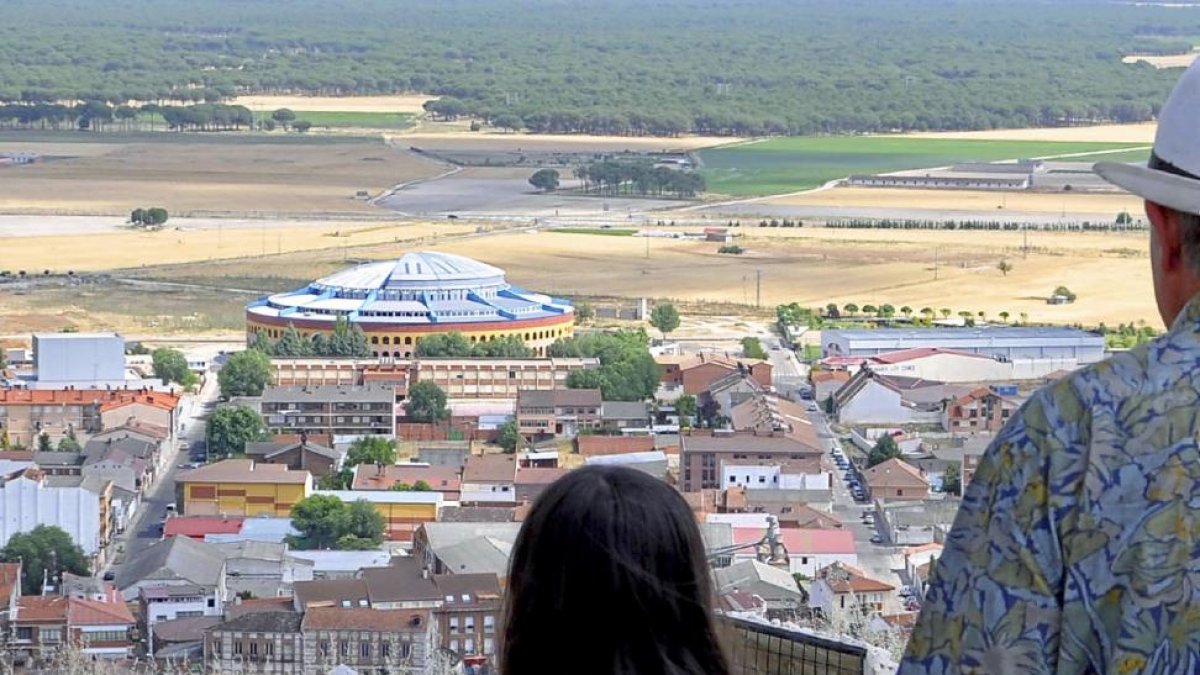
[1188,316]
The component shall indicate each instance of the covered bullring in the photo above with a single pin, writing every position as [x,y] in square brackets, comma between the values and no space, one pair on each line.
[399,302]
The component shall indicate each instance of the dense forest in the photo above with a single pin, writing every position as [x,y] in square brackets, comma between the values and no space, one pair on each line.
[622,66]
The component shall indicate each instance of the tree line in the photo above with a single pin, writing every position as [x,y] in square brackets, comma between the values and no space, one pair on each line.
[1118,225]
[624,67]
[609,177]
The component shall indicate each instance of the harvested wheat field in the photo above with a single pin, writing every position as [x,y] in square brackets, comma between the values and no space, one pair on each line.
[497,140]
[994,204]
[399,103]
[189,173]
[1101,133]
[179,243]
[812,266]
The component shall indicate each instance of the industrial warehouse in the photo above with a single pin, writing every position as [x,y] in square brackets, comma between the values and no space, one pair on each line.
[396,303]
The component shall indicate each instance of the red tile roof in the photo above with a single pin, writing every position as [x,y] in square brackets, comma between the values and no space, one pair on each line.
[895,472]
[490,469]
[801,541]
[851,579]
[539,476]
[10,576]
[105,398]
[252,605]
[366,619]
[42,609]
[17,455]
[593,446]
[95,613]
[921,353]
[198,526]
[377,477]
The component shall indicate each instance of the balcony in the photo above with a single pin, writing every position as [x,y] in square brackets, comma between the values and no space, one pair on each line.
[762,649]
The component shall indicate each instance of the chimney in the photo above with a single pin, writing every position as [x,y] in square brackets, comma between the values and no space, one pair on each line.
[303,438]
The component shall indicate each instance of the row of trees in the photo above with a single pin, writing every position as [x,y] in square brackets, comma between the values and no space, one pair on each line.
[1117,225]
[794,314]
[101,116]
[456,345]
[610,177]
[774,66]
[347,339]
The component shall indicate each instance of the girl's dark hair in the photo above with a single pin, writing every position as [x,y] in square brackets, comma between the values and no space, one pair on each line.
[609,577]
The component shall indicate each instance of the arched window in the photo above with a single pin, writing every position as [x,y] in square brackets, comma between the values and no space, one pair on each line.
[387,340]
[408,340]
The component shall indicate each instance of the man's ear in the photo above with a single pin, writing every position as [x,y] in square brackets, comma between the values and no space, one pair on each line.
[1166,230]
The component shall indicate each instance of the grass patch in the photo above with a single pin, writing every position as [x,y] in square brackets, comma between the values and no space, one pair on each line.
[607,232]
[1139,156]
[782,165]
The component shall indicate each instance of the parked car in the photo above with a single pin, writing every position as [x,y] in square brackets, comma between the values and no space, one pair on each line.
[869,519]
[876,539]
[907,591]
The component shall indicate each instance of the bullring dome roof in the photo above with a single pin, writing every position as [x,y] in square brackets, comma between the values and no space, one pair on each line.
[414,270]
[418,288]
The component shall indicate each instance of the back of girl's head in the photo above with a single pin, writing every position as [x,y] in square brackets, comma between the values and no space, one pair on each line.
[609,577]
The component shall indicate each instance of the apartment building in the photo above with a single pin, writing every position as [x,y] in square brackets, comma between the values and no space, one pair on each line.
[330,409]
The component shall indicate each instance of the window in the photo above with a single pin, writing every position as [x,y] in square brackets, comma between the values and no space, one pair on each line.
[470,624]
[364,650]
[253,649]
[385,650]
[269,649]
[469,646]
[449,598]
[212,602]
[50,635]
[237,647]
[803,560]
[454,624]
[489,646]
[454,645]
[343,647]
[324,648]
[489,623]
[25,633]
[466,598]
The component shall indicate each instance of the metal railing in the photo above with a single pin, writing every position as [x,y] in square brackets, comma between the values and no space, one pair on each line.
[763,649]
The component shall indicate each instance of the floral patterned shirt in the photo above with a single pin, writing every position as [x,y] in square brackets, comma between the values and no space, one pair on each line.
[1077,545]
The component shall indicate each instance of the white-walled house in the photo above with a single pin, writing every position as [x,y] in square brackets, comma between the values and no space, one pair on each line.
[28,499]
[873,399]
[776,474]
[839,588]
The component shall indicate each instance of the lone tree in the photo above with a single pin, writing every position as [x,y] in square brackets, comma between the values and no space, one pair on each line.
[301,126]
[850,308]
[685,407]
[1065,292]
[245,374]
[326,522]
[545,180]
[509,122]
[44,444]
[371,450]
[284,117]
[45,551]
[885,449]
[1004,266]
[229,429]
[427,403]
[584,312]
[665,318]
[170,365]
[1124,218]
[510,437]
[952,480]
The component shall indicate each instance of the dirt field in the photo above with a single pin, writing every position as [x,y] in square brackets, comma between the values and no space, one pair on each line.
[125,249]
[966,200]
[811,265]
[496,140]
[192,173]
[376,104]
[1104,133]
[1160,62]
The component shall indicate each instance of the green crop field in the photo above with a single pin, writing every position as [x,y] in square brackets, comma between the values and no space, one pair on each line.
[359,120]
[782,165]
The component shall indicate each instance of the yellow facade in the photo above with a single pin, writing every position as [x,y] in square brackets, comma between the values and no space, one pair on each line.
[242,499]
[401,344]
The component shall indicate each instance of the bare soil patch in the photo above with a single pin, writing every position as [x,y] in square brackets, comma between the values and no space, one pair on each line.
[994,203]
[1160,62]
[1103,133]
[400,103]
[233,174]
[488,140]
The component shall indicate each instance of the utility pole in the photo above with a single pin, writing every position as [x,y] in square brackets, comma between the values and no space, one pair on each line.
[935,263]
[647,246]
[1025,246]
[758,288]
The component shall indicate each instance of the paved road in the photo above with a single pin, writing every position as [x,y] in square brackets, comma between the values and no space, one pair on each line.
[144,531]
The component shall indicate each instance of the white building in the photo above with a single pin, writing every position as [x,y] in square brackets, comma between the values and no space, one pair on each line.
[170,602]
[782,475]
[26,501]
[843,589]
[873,399]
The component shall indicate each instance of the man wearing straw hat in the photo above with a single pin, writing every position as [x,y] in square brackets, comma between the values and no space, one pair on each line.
[1077,546]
